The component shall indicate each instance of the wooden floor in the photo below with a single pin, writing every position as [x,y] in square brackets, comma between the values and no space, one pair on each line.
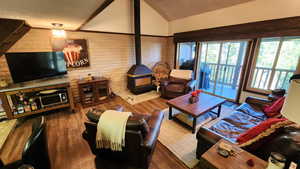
[68,150]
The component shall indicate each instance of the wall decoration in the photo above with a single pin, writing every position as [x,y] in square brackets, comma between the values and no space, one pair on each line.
[75,51]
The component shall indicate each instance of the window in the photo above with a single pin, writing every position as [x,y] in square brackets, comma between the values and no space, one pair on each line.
[275,62]
[186,55]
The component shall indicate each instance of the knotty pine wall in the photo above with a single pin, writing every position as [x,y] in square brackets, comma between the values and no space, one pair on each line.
[111,55]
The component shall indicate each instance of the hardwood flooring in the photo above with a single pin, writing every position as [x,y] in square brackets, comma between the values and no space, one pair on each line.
[68,150]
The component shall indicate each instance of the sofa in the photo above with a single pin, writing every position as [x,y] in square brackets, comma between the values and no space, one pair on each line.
[285,140]
[140,139]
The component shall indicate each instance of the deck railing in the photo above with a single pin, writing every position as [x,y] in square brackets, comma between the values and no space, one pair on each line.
[229,75]
[262,77]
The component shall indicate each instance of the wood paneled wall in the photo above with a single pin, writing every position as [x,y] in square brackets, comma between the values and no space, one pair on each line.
[111,55]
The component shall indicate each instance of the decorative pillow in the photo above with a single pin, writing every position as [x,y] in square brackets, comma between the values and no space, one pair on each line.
[182,74]
[262,130]
[275,108]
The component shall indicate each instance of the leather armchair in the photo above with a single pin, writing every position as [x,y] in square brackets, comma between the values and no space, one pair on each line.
[174,87]
[35,152]
[139,143]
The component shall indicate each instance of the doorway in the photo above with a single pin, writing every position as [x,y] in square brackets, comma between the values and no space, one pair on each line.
[220,65]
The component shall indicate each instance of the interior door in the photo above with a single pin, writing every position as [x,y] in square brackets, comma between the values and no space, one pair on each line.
[220,67]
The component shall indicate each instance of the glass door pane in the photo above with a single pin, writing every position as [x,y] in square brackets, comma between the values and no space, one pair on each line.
[186,55]
[209,57]
[220,67]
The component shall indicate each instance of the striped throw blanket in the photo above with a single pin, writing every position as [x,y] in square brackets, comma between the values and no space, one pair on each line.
[111,130]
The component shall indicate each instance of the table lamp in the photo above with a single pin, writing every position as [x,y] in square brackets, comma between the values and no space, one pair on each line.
[291,107]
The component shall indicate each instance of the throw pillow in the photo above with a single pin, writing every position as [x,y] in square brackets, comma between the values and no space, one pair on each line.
[275,108]
[262,130]
[182,74]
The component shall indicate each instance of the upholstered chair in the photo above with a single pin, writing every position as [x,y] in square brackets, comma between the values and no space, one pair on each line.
[140,139]
[180,82]
[161,71]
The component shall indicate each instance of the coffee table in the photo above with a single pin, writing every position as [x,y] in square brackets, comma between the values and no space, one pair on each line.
[205,104]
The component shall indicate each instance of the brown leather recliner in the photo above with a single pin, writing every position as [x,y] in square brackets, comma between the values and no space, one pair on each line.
[140,140]
[180,82]
[174,87]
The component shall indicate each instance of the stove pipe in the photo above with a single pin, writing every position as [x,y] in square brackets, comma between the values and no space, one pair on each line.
[137,30]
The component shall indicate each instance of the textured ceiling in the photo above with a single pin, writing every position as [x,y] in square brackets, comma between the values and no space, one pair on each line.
[41,13]
[175,9]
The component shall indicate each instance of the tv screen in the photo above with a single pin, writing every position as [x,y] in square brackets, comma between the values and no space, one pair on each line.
[35,65]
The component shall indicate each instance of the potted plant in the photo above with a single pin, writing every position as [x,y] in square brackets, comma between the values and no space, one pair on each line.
[194,96]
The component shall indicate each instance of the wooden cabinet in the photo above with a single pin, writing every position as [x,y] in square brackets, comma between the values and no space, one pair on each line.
[93,92]
[11,101]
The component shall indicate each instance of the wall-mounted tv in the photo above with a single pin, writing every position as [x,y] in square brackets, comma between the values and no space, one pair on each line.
[35,65]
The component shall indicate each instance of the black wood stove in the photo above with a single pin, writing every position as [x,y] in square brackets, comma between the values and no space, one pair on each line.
[139,76]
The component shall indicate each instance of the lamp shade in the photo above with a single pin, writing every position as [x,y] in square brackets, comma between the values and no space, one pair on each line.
[291,107]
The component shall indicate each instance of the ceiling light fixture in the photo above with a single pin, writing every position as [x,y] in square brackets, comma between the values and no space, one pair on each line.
[58,31]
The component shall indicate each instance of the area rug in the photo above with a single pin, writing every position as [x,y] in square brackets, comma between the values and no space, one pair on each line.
[5,128]
[180,140]
[134,99]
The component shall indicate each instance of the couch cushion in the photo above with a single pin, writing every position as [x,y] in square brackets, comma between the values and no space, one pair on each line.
[178,80]
[242,120]
[227,130]
[177,88]
[252,111]
[261,130]
[232,126]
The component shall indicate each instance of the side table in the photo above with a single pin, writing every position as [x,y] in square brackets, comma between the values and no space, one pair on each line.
[238,161]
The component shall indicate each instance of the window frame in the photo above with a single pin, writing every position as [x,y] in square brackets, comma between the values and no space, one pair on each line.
[273,71]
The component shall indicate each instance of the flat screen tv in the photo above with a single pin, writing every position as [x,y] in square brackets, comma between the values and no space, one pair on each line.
[35,65]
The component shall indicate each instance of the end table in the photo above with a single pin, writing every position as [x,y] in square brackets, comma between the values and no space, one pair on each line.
[239,160]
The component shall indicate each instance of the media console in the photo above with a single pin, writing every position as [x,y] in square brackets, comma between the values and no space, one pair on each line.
[26,99]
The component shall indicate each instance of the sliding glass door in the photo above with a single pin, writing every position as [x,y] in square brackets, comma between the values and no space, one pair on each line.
[219,67]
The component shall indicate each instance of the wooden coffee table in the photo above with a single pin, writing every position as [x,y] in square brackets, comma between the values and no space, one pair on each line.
[205,104]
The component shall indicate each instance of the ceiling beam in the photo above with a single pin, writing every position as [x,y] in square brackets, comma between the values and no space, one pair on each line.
[105,4]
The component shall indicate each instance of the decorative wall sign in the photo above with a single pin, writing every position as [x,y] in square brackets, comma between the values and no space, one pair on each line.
[75,50]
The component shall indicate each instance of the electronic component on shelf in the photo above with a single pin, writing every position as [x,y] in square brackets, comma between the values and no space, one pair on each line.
[47,100]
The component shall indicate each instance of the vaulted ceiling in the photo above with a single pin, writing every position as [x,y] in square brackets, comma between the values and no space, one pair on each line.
[175,9]
[41,13]
[74,13]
